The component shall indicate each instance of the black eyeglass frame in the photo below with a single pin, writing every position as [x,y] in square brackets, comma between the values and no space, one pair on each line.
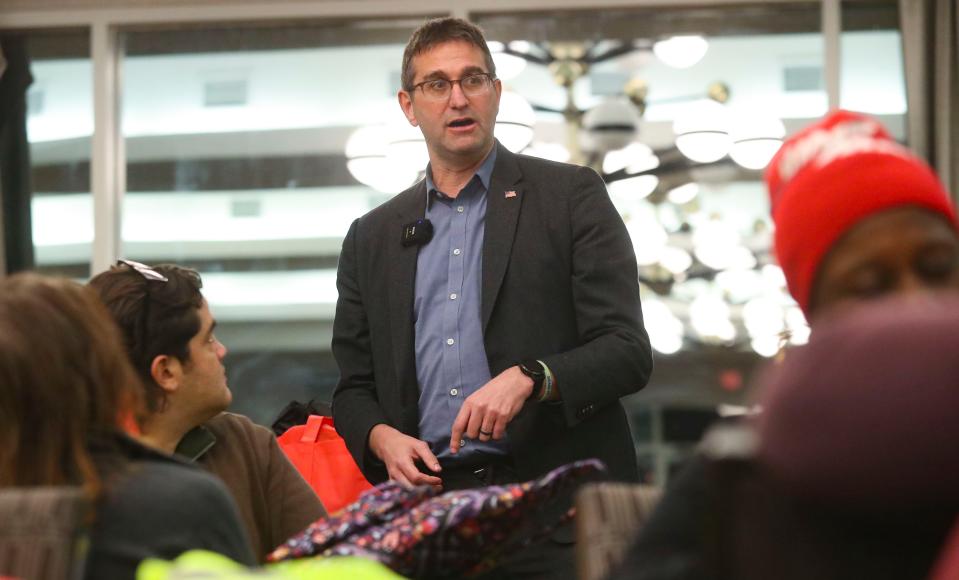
[490,78]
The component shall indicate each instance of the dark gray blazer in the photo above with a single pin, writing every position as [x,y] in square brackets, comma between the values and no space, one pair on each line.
[559,284]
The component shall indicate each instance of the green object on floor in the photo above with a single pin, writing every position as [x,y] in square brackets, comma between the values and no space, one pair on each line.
[200,564]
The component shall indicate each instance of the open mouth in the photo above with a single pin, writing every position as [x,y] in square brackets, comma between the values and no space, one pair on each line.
[460,123]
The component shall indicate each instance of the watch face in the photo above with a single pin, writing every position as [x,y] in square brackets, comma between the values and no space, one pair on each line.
[533,370]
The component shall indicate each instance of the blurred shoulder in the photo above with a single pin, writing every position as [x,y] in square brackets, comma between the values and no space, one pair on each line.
[231,424]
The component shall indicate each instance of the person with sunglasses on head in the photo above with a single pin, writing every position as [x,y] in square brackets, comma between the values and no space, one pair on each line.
[168,332]
[66,386]
[488,320]
[858,217]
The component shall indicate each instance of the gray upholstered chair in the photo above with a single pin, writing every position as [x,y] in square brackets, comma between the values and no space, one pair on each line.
[42,533]
[608,517]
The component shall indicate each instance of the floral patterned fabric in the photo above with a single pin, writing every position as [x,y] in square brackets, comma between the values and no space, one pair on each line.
[420,533]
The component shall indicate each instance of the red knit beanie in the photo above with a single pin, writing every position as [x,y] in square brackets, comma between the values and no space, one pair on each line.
[831,175]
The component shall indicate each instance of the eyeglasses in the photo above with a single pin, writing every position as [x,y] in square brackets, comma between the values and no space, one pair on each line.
[144,270]
[150,275]
[472,85]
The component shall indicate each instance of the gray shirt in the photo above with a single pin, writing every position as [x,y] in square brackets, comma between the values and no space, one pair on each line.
[451,359]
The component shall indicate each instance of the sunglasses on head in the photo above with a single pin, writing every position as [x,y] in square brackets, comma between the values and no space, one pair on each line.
[144,270]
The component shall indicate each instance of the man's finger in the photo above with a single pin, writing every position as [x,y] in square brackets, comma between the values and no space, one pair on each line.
[399,478]
[423,479]
[474,424]
[459,425]
[487,430]
[416,477]
[423,452]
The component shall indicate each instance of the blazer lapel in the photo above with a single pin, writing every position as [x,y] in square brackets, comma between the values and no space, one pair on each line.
[503,202]
[402,277]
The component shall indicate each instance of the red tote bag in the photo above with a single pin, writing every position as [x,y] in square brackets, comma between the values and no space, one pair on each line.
[321,457]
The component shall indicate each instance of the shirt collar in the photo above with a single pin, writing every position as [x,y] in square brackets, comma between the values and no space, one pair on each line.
[196,443]
[484,172]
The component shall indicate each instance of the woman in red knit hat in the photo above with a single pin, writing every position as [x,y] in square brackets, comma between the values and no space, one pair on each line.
[857,217]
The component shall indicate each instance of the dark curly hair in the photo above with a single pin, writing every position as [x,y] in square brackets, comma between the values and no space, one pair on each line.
[438,31]
[155,317]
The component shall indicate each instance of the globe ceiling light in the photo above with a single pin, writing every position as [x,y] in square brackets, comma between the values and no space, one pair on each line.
[676,260]
[681,51]
[741,258]
[683,194]
[648,236]
[634,158]
[670,217]
[709,315]
[763,316]
[637,187]
[773,276]
[755,140]
[738,285]
[665,330]
[612,124]
[550,151]
[515,121]
[765,346]
[702,131]
[523,46]
[797,326]
[366,160]
[715,243]
[406,147]
[508,66]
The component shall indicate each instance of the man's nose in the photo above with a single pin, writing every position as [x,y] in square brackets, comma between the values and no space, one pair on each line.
[458,98]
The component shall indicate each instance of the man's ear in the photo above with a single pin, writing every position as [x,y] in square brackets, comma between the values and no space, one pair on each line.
[166,372]
[406,103]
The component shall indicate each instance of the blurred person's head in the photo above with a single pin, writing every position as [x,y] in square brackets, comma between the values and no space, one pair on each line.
[868,412]
[857,216]
[856,445]
[167,329]
[65,382]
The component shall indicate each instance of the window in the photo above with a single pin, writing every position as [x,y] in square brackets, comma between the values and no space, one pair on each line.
[871,62]
[235,166]
[59,129]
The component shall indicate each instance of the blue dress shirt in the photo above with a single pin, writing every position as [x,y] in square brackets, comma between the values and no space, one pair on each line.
[451,359]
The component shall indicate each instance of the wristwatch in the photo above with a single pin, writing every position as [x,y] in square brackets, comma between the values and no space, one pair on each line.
[533,369]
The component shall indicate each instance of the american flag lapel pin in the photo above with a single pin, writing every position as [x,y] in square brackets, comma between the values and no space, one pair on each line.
[510,193]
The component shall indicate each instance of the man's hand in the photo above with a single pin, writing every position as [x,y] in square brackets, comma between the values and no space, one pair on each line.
[399,452]
[485,414]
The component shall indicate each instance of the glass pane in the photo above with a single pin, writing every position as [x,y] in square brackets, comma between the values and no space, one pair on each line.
[873,78]
[59,128]
[680,110]
[235,140]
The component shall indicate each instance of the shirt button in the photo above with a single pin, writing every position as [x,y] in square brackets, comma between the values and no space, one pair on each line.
[453,296]
[456,252]
[450,341]
[454,392]
[460,208]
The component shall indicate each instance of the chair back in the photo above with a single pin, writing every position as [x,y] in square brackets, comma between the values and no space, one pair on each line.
[608,518]
[42,534]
